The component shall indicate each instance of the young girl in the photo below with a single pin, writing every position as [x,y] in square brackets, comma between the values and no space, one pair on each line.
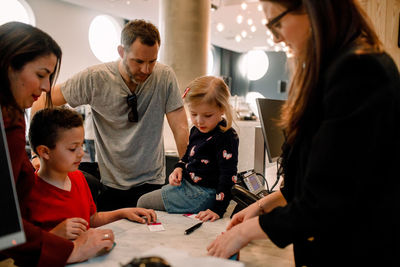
[202,179]
[60,200]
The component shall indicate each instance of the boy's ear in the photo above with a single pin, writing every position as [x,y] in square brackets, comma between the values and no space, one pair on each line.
[43,151]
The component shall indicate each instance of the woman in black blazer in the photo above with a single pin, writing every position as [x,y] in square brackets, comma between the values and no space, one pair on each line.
[340,203]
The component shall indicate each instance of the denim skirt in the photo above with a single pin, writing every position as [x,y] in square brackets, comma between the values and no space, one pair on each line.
[187,198]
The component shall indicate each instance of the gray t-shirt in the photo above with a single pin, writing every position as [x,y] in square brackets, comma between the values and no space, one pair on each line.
[129,153]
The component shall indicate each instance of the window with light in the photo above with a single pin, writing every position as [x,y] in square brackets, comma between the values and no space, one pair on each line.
[104,38]
[254,64]
[16,10]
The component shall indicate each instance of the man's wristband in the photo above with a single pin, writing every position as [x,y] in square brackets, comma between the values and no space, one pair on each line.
[34,157]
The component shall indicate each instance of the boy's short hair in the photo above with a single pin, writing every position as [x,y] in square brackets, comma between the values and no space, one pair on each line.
[46,124]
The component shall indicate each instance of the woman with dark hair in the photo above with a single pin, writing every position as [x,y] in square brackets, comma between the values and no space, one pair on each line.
[340,200]
[29,63]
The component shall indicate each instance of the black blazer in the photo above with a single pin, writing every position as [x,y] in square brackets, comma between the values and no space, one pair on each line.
[342,174]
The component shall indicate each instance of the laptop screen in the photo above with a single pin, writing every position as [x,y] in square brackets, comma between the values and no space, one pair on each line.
[269,112]
[11,230]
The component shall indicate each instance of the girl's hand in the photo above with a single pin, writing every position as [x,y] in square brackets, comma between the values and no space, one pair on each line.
[70,228]
[245,214]
[175,177]
[207,215]
[135,214]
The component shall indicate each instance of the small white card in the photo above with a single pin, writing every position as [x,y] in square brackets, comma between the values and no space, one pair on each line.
[192,216]
[156,227]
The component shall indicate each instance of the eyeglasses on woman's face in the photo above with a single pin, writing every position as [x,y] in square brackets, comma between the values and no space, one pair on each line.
[273,23]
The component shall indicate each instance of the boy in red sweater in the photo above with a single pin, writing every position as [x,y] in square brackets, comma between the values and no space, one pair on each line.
[60,200]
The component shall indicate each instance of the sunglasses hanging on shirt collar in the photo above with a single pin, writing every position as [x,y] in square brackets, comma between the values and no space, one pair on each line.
[133,115]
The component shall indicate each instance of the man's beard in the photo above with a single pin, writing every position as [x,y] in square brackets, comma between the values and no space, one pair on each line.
[131,77]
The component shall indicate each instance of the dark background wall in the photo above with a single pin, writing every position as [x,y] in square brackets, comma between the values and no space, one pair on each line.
[226,64]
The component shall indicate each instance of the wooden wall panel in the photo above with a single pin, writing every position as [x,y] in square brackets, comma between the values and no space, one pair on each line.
[364,4]
[392,30]
[384,15]
[378,15]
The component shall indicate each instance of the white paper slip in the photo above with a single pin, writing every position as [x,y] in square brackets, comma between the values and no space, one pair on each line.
[156,227]
[192,216]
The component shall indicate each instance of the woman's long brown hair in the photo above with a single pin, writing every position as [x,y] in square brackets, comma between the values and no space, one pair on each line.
[335,25]
[20,44]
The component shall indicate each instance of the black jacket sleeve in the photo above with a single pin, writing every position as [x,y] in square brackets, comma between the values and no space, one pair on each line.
[347,153]
[227,157]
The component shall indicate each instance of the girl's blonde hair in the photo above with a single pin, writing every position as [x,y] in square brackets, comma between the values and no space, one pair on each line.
[210,90]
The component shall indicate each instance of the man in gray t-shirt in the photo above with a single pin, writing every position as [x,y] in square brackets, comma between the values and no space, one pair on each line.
[129,98]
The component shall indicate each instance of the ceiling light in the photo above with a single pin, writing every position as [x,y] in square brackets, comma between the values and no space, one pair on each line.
[264,21]
[244,6]
[220,27]
[128,2]
[270,42]
[250,21]
[239,19]
[259,7]
[253,28]
[238,38]
[244,34]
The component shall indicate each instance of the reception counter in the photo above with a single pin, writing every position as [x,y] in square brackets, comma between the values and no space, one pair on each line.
[136,240]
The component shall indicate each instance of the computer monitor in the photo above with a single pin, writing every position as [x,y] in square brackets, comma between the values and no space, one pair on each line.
[11,230]
[269,113]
